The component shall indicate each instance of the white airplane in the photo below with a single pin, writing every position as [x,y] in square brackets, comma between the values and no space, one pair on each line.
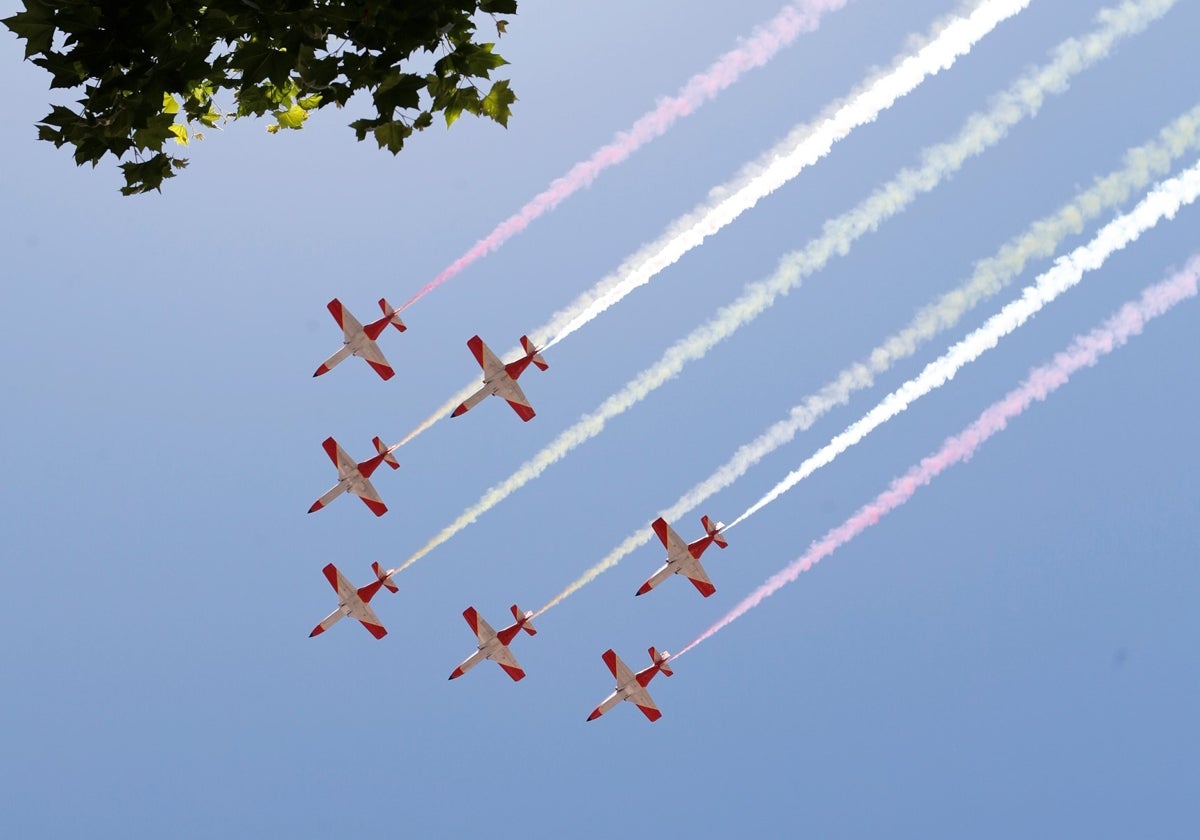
[501,379]
[631,686]
[357,477]
[684,558]
[493,645]
[360,340]
[355,602]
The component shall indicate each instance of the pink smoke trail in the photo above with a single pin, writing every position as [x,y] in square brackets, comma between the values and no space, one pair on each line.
[755,51]
[1084,351]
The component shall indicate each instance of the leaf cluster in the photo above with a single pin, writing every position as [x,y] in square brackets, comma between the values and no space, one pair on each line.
[152,72]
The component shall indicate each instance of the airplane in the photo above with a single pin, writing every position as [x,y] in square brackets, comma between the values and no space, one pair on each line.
[501,379]
[493,645]
[355,602]
[357,477]
[684,558]
[360,340]
[631,686]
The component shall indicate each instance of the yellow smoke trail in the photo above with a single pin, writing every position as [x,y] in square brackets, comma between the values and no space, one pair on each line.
[1042,239]
[949,38]
[981,131]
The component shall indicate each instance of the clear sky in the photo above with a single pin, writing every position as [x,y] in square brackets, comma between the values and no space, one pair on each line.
[1010,654]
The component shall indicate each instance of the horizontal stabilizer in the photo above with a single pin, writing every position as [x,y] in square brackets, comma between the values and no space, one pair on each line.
[392,315]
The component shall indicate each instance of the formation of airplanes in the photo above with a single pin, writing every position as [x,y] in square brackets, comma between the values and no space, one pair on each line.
[499,379]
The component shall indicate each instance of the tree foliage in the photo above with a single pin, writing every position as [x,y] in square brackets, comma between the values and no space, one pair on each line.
[153,72]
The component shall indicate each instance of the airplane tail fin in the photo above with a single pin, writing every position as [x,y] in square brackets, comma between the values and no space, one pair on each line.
[518,615]
[714,531]
[661,659]
[388,457]
[384,578]
[393,314]
[533,353]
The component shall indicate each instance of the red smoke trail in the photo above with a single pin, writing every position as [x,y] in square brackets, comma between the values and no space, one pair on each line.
[755,51]
[1084,351]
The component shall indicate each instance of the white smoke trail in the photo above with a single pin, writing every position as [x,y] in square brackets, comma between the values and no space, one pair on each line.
[1041,239]
[1161,203]
[1083,352]
[982,130]
[949,39]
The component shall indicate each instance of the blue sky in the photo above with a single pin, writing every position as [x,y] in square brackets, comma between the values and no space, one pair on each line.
[1012,652]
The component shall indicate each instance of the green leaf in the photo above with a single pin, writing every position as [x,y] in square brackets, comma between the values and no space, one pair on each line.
[35,25]
[293,117]
[498,103]
[498,7]
[310,103]
[170,104]
[181,133]
[155,132]
[391,136]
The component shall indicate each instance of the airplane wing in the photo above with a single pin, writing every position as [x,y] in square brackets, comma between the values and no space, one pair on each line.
[340,585]
[696,574]
[486,358]
[349,324]
[368,619]
[504,658]
[376,360]
[619,669]
[344,463]
[511,391]
[365,490]
[641,698]
[482,630]
[677,550]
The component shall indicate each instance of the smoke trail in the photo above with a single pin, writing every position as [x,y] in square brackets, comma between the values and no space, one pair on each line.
[752,52]
[1085,351]
[981,131]
[1041,239]
[949,39]
[1162,202]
